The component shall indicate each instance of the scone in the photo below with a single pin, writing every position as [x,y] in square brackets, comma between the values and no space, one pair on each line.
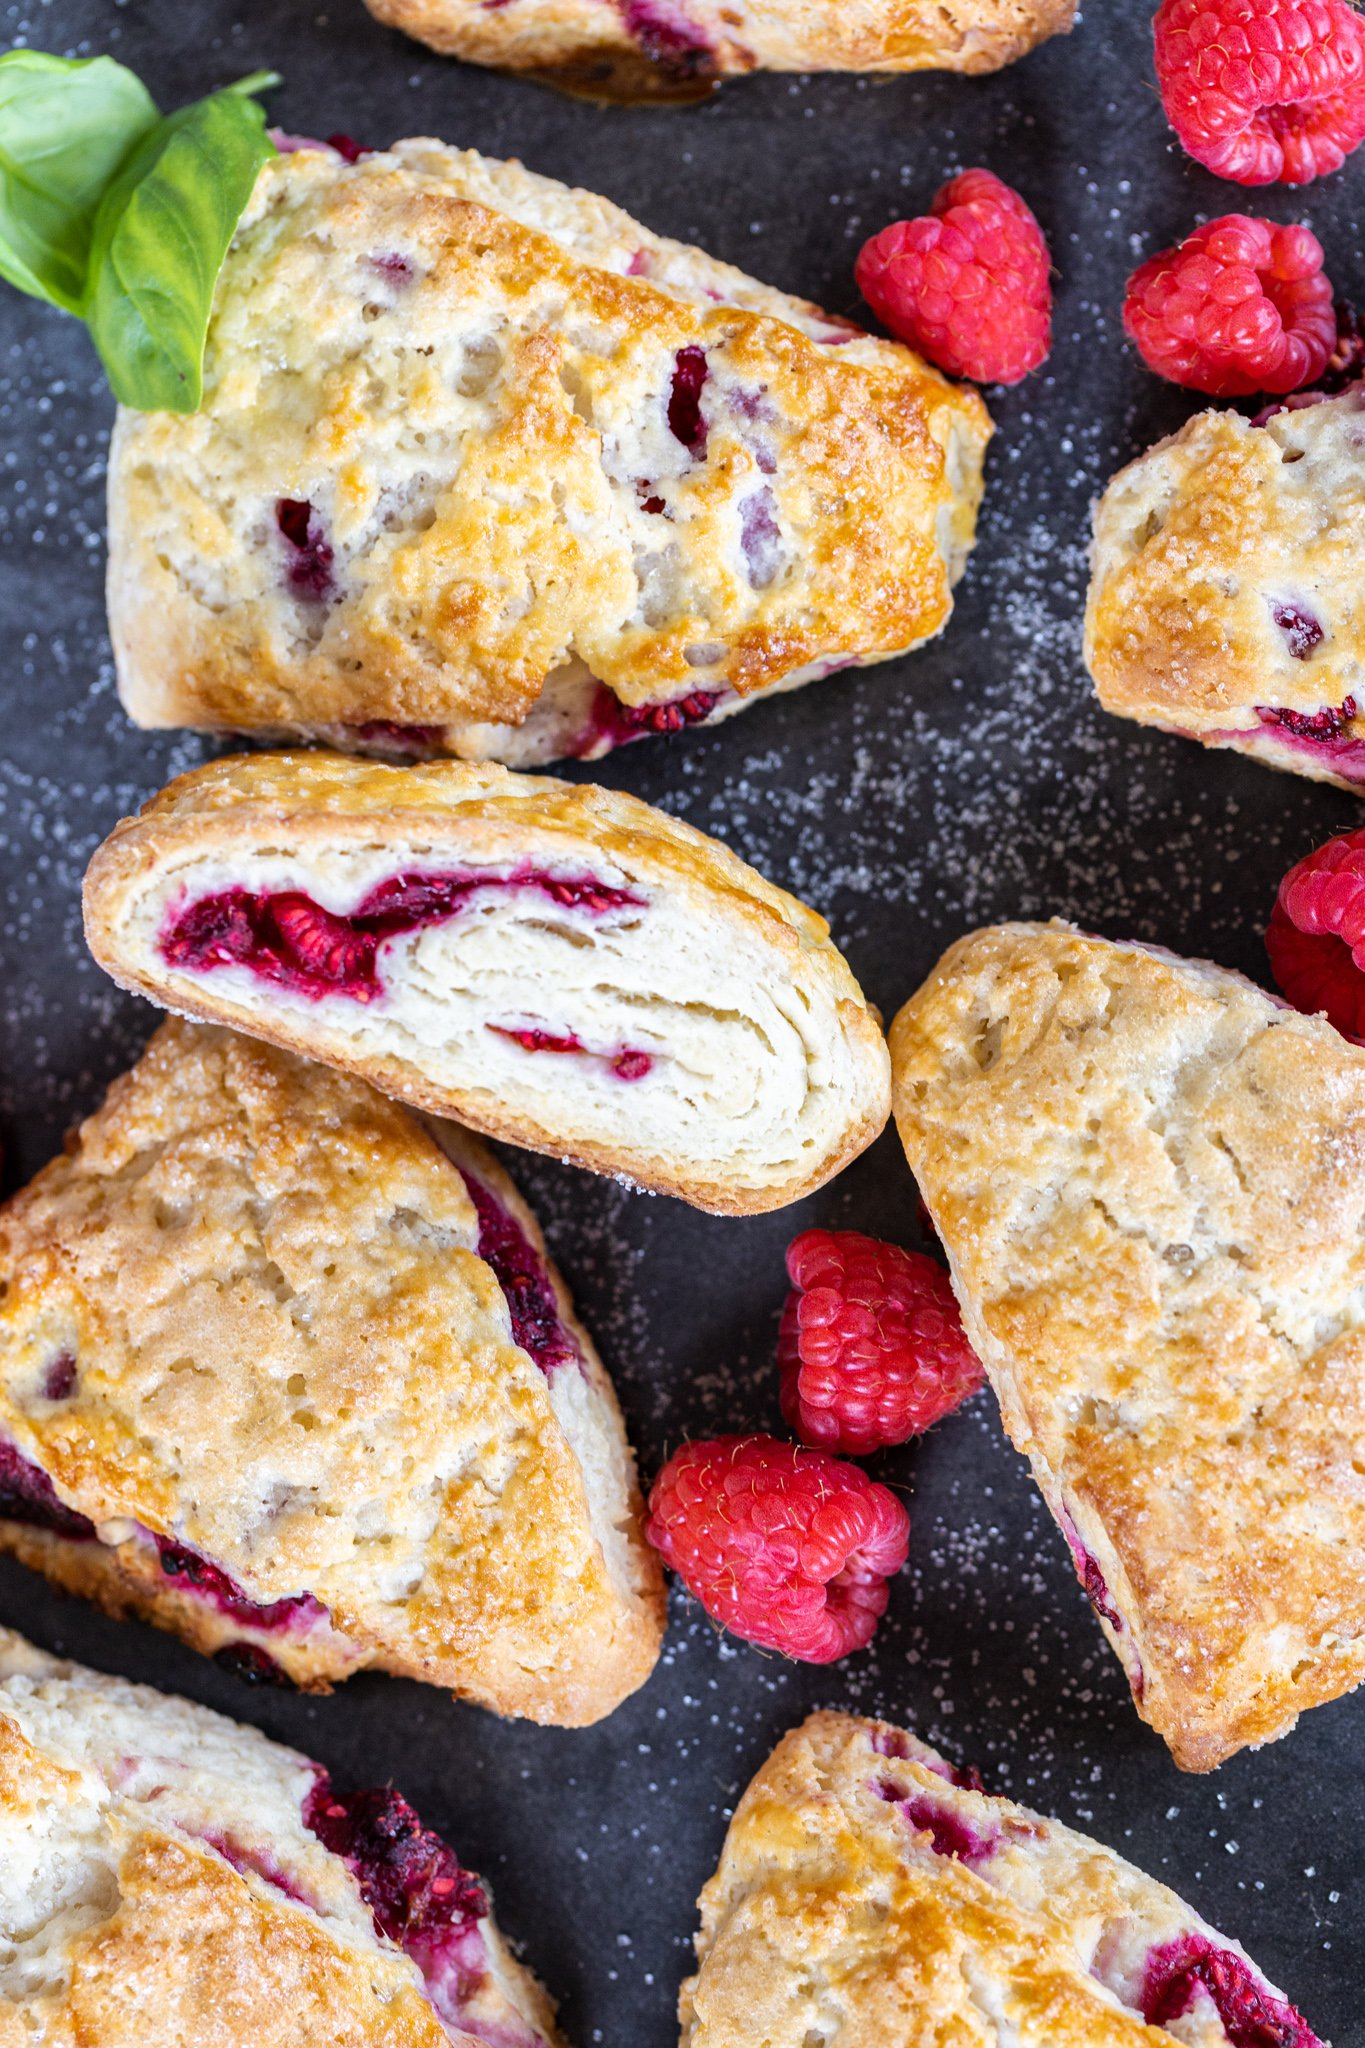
[869,1892]
[679,49]
[1227,595]
[285,1368]
[170,1878]
[483,467]
[563,967]
[1149,1178]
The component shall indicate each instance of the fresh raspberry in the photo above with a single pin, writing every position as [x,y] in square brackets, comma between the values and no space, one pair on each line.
[967,285]
[1240,306]
[1263,91]
[1316,935]
[788,1548]
[871,1348]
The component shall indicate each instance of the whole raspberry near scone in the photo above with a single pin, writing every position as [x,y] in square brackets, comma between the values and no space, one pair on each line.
[967,284]
[1316,935]
[1263,91]
[1239,306]
[788,1548]
[871,1348]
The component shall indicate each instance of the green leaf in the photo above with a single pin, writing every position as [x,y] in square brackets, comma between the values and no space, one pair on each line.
[65,127]
[160,237]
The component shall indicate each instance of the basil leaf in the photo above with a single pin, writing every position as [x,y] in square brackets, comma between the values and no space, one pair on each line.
[161,234]
[65,127]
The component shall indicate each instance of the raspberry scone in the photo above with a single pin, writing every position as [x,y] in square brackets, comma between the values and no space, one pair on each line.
[168,1876]
[1149,1178]
[563,967]
[679,49]
[285,1368]
[1227,599]
[483,467]
[870,1891]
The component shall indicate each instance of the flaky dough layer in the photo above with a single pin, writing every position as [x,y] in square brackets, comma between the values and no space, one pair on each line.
[618,989]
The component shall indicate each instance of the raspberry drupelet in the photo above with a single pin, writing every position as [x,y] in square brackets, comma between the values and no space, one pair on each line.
[787,1548]
[1240,306]
[1316,935]
[871,1348]
[967,284]
[1263,91]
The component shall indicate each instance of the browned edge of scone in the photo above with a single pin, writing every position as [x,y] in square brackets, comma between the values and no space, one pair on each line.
[679,853]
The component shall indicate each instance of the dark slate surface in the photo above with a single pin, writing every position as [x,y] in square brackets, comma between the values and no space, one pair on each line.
[976,780]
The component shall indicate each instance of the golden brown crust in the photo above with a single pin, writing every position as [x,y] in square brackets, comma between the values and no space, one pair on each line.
[1150,1181]
[1198,545]
[252,1266]
[522,355]
[159,1884]
[840,1913]
[730,974]
[588,47]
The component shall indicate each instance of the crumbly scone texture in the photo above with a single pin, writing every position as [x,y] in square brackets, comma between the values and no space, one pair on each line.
[287,1354]
[158,1885]
[1198,543]
[771,1071]
[833,1918]
[403,343]
[676,51]
[1149,1178]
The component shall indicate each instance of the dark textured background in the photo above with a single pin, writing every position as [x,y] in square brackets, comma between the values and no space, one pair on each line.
[975,780]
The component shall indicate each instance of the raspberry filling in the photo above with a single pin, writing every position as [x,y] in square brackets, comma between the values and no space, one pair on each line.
[404,739]
[760,537]
[1251,2013]
[194,1574]
[666,36]
[891,1742]
[414,1885]
[524,1279]
[949,1834]
[346,146]
[309,566]
[630,1064]
[686,422]
[1302,630]
[27,1495]
[60,1378]
[620,723]
[287,938]
[1322,728]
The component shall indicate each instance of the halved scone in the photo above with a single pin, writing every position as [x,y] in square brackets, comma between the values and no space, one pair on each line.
[171,1878]
[1227,595]
[870,1892]
[1149,1177]
[679,49]
[285,1368]
[563,967]
[484,467]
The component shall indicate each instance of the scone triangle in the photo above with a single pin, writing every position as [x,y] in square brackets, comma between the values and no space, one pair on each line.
[869,1892]
[168,1876]
[564,967]
[285,1368]
[1149,1177]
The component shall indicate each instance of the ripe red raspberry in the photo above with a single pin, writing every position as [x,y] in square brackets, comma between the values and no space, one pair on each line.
[1263,91]
[1239,306]
[1316,936]
[967,285]
[787,1548]
[871,1348]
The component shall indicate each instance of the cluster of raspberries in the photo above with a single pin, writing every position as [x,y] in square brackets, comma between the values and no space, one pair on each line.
[1259,91]
[791,1546]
